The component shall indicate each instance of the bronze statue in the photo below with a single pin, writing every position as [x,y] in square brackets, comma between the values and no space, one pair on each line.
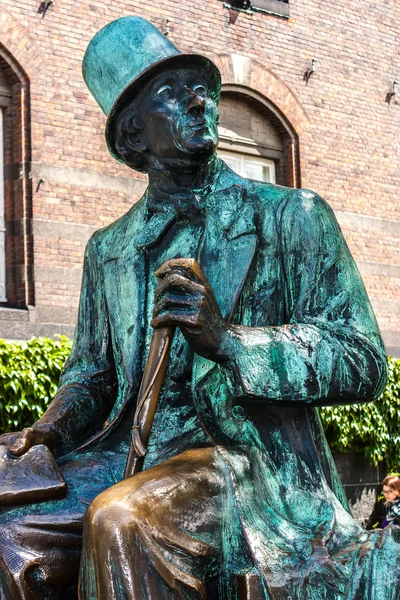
[265,315]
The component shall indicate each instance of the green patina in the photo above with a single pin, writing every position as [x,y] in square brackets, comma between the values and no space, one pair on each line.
[300,333]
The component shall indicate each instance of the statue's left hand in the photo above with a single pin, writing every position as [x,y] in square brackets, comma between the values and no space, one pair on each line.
[184,298]
[39,433]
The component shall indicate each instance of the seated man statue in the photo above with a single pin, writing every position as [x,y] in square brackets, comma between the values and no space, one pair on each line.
[238,497]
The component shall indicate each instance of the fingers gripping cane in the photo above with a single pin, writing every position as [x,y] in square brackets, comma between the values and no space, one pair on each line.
[153,377]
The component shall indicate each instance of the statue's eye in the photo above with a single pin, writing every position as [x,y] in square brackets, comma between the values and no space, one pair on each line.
[200,89]
[164,89]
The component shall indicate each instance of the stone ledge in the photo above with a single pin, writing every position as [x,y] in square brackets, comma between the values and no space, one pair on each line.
[386,306]
[76,177]
[25,331]
[58,229]
[359,221]
[83,178]
[57,275]
[393,350]
[391,338]
[14,314]
[379,269]
[61,315]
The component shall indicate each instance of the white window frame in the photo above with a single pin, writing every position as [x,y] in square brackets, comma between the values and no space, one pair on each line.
[3,297]
[242,160]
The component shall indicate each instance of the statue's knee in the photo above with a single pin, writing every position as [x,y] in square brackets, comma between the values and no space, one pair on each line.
[112,512]
[105,516]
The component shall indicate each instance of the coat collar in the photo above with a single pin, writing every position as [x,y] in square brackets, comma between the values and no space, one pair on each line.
[221,202]
[230,243]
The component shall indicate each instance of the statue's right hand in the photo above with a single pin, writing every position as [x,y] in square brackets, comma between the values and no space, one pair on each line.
[39,433]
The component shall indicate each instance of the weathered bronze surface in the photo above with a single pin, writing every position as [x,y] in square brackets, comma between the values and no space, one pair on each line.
[238,497]
[157,361]
[31,477]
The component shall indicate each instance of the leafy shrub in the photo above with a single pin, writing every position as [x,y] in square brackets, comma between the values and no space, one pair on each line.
[372,428]
[29,373]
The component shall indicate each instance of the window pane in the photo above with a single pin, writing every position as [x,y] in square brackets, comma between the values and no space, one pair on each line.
[236,163]
[257,171]
[260,169]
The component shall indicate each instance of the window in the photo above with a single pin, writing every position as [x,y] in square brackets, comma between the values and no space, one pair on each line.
[255,139]
[273,7]
[2,220]
[279,8]
[253,168]
[5,97]
[16,247]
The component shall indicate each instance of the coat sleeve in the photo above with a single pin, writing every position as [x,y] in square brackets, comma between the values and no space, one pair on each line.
[88,383]
[329,351]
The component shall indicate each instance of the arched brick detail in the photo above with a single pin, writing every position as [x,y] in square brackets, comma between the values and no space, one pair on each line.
[241,70]
[244,76]
[22,61]
[21,47]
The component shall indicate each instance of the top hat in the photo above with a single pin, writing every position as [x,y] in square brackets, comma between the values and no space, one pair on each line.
[124,55]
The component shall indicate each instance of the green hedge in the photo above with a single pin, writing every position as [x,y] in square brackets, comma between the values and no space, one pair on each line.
[29,373]
[372,428]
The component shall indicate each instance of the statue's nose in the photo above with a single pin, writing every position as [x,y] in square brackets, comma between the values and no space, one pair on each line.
[196,101]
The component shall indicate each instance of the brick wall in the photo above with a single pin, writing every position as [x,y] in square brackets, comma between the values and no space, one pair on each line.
[347,133]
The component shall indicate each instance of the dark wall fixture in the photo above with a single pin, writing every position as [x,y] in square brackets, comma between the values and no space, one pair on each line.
[44,6]
[392,93]
[311,70]
[279,8]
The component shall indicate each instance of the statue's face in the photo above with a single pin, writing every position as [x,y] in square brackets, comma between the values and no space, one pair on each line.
[179,115]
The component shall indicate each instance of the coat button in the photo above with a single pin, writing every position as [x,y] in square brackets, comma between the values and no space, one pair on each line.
[239,413]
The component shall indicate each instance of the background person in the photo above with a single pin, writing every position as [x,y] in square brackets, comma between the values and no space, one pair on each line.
[391,491]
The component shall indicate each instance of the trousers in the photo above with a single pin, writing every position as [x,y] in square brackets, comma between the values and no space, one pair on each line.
[166,533]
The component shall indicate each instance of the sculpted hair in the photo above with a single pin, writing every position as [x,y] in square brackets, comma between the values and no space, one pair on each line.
[127,137]
[393,482]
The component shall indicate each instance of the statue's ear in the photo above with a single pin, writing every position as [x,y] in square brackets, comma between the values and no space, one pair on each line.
[129,135]
[131,143]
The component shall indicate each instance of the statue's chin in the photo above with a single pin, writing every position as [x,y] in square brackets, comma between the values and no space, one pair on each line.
[196,144]
[198,150]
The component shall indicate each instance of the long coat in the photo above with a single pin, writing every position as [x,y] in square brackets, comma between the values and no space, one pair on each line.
[304,335]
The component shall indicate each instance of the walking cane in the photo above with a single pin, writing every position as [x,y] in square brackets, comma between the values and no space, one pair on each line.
[149,392]
[152,379]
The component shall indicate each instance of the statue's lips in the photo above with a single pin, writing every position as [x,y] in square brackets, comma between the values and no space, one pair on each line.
[198,125]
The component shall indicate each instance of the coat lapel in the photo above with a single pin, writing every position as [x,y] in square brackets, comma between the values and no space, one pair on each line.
[230,242]
[154,229]
[125,288]
[229,246]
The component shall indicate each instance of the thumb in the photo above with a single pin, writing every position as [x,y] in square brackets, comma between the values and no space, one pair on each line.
[27,438]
